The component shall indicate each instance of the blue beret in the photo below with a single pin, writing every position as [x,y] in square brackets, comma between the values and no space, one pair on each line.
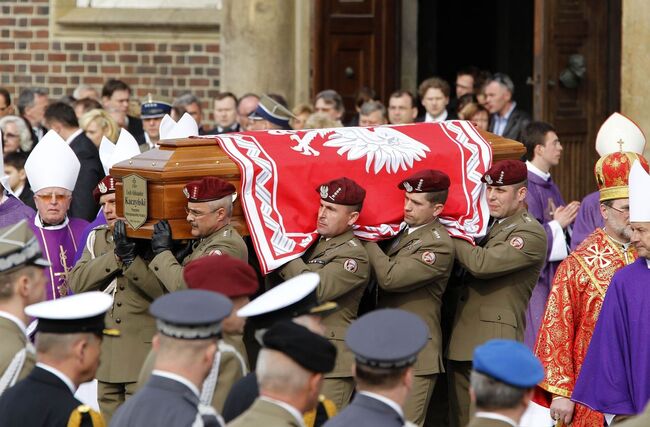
[387,338]
[191,314]
[510,362]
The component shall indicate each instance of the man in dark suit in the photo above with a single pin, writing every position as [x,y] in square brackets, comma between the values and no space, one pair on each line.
[504,376]
[505,118]
[189,324]
[116,95]
[61,118]
[68,340]
[385,344]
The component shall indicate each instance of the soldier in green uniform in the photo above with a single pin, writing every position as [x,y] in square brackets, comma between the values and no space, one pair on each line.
[22,282]
[342,264]
[110,264]
[209,209]
[236,280]
[502,271]
[412,275]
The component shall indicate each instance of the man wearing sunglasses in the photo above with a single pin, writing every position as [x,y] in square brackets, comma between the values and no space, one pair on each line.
[52,169]
[578,291]
[209,209]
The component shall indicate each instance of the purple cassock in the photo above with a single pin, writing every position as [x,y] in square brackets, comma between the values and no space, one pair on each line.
[615,376]
[540,193]
[13,210]
[99,220]
[59,244]
[588,219]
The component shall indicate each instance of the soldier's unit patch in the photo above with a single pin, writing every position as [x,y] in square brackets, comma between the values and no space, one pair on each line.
[428,257]
[350,265]
[517,242]
[216,252]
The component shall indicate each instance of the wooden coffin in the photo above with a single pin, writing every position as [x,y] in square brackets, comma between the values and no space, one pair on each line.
[165,171]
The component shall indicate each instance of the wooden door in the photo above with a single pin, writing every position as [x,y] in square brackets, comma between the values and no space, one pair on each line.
[356,44]
[591,29]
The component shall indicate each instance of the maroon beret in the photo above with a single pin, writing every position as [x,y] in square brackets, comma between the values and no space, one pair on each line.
[207,189]
[105,186]
[225,274]
[425,181]
[506,172]
[342,191]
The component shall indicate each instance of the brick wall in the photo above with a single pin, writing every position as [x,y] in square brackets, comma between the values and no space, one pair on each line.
[30,56]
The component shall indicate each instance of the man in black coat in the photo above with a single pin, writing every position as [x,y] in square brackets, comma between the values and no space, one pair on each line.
[116,95]
[61,118]
[68,344]
[505,118]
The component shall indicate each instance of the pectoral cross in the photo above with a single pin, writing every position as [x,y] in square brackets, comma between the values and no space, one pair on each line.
[62,289]
[620,143]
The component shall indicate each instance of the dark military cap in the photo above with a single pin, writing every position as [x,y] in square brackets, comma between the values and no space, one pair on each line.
[79,313]
[425,181]
[342,191]
[387,338]
[271,110]
[506,172]
[207,189]
[191,314]
[225,274]
[105,186]
[152,109]
[309,350]
[293,298]
[508,361]
[19,247]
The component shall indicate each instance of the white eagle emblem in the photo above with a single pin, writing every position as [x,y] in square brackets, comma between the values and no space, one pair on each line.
[383,147]
[324,190]
[408,187]
[102,188]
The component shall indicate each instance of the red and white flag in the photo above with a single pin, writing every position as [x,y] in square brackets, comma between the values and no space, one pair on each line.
[281,170]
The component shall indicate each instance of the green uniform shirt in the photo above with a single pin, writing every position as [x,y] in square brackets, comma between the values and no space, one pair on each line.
[13,340]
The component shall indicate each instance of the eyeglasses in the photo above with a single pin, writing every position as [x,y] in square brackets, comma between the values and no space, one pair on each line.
[198,214]
[48,197]
[625,211]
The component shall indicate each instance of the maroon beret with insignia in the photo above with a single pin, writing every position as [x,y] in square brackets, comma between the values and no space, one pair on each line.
[425,181]
[342,191]
[105,186]
[207,189]
[221,273]
[506,172]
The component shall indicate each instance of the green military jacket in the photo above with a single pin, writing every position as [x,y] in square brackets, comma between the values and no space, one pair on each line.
[265,413]
[226,240]
[342,264]
[135,289]
[14,340]
[232,367]
[412,275]
[502,273]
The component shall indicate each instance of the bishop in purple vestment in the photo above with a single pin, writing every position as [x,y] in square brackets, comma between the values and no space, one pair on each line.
[588,220]
[13,210]
[615,376]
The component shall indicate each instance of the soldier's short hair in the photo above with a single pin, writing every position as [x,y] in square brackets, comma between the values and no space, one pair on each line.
[28,96]
[437,196]
[492,394]
[8,278]
[380,378]
[434,83]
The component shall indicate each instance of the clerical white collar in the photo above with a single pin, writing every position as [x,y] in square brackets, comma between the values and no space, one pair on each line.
[385,400]
[175,377]
[18,191]
[14,319]
[647,261]
[537,171]
[63,377]
[73,136]
[290,409]
[39,223]
[495,416]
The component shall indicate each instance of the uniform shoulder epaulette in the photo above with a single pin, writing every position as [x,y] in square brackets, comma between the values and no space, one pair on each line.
[101,227]
[227,232]
[352,243]
[83,413]
[526,217]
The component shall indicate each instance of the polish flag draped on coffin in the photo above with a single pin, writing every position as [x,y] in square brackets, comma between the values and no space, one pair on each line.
[281,171]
